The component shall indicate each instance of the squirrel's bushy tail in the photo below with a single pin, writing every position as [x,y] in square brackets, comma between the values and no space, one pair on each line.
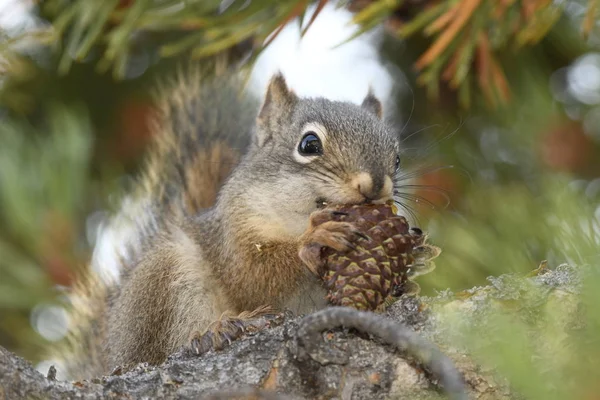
[202,128]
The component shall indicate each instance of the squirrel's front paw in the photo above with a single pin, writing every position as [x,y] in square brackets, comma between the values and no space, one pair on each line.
[340,236]
[227,329]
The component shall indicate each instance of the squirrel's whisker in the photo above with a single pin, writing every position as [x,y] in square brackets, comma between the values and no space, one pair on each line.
[428,188]
[418,172]
[416,199]
[411,212]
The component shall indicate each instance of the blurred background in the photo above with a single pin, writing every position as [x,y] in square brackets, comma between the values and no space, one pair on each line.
[497,102]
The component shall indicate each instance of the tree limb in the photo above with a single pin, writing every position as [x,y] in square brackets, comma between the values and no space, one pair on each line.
[293,362]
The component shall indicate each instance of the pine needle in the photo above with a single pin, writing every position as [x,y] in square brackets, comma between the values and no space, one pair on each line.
[462,17]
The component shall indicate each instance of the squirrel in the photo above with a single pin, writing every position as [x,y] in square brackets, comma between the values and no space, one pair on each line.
[233,185]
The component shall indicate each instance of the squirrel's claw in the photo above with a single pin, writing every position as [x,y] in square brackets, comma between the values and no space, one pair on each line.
[200,344]
[226,330]
[339,236]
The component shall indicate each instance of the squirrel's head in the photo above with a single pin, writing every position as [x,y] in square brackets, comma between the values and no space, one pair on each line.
[311,152]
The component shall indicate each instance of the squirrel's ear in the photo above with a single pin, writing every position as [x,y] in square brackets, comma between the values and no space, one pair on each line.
[278,103]
[372,104]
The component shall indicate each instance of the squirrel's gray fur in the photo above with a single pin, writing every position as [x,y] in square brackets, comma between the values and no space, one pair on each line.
[254,248]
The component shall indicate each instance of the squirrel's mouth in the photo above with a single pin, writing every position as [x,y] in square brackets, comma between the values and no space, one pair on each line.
[322,202]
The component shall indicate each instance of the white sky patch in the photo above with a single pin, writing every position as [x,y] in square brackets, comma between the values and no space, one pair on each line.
[16,15]
[314,66]
[118,238]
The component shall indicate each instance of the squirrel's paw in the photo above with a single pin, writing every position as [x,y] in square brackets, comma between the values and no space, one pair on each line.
[423,263]
[226,329]
[340,236]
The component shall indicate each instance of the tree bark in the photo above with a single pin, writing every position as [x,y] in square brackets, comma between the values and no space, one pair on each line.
[270,364]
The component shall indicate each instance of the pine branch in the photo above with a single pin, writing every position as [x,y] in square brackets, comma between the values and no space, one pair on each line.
[466,35]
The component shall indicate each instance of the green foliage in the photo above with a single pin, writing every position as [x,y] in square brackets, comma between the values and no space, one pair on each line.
[542,339]
[200,27]
[44,180]
[510,228]
[464,38]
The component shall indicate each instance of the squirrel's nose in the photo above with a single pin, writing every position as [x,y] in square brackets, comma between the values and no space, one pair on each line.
[372,189]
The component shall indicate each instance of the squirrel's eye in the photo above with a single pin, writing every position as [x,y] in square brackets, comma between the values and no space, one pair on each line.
[397,163]
[310,144]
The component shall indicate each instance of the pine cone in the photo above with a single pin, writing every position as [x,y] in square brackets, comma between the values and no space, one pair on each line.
[384,260]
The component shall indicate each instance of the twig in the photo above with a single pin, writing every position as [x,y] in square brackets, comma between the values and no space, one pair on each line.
[309,338]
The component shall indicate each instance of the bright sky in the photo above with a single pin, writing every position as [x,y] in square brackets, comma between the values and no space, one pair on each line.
[313,67]
[15,13]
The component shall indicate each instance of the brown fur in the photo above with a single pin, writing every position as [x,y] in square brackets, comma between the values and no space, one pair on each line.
[166,298]
[216,164]
[83,351]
